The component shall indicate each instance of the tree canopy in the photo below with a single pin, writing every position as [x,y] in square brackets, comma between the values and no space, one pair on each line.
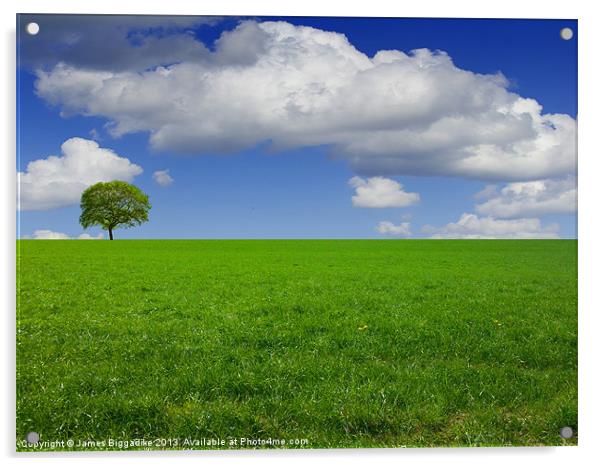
[112,205]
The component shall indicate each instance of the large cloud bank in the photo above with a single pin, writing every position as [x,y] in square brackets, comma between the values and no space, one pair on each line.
[390,114]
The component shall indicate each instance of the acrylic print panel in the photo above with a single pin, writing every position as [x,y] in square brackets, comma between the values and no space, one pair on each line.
[301,232]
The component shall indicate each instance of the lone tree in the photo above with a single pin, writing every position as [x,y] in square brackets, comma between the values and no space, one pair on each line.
[112,205]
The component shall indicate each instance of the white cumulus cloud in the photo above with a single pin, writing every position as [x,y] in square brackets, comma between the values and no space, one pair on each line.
[163,178]
[470,226]
[532,198]
[380,192]
[394,113]
[390,229]
[49,234]
[88,236]
[58,181]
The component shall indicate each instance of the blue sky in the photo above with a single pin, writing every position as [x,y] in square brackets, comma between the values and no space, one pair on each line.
[242,169]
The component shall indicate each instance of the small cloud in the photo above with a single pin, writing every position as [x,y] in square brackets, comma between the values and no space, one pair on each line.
[162,178]
[49,234]
[390,229]
[471,226]
[58,181]
[380,192]
[532,198]
[87,236]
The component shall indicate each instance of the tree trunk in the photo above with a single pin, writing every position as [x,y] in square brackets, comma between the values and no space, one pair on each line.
[110,233]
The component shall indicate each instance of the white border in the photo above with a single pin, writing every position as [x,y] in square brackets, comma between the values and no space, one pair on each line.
[590,154]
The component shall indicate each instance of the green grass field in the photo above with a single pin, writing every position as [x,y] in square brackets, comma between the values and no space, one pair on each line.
[340,343]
